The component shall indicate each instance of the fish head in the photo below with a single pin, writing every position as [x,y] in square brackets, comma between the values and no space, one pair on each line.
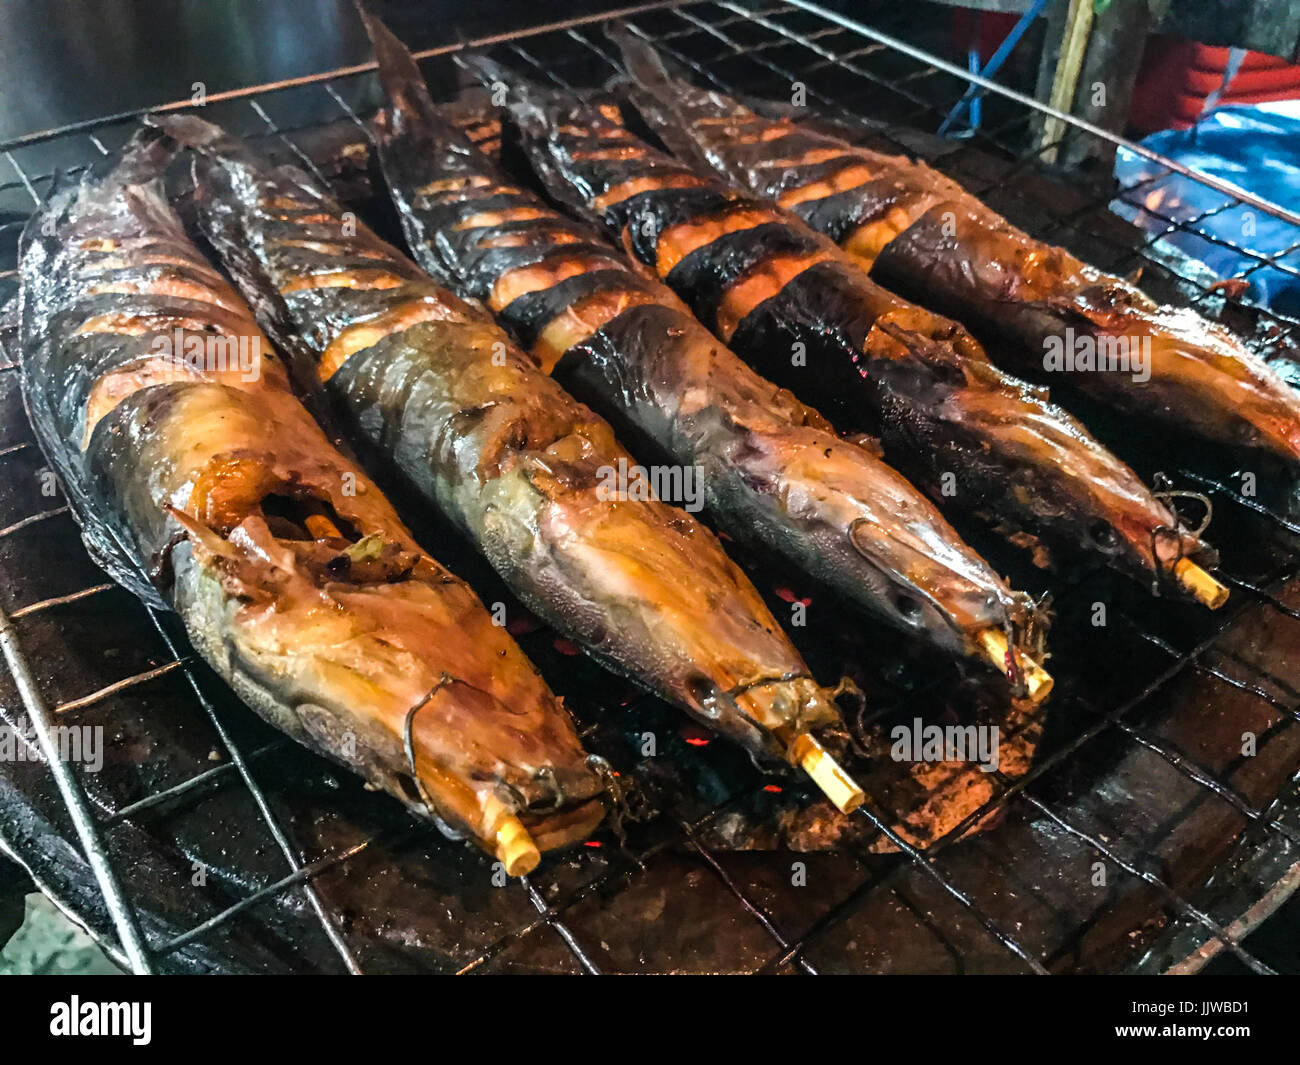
[296,578]
[879,542]
[927,592]
[1073,491]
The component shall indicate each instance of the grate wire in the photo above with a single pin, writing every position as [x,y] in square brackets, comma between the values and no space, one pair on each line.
[820,43]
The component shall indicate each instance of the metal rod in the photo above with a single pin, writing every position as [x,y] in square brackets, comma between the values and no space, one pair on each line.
[263,805]
[117,686]
[74,798]
[60,600]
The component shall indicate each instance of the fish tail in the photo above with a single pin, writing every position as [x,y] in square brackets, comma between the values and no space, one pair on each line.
[399,74]
[145,158]
[525,99]
[411,111]
[643,63]
[657,94]
[202,136]
[143,161]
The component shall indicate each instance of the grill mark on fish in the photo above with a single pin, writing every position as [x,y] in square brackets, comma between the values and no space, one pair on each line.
[923,234]
[624,342]
[377,279]
[677,242]
[488,219]
[884,367]
[845,179]
[521,280]
[583,318]
[625,190]
[315,605]
[369,332]
[529,314]
[515,462]
[766,280]
[728,276]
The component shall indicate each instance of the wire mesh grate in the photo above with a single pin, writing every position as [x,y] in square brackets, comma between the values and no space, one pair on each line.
[746,50]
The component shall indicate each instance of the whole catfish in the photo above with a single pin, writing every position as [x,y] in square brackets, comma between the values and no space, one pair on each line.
[517,463]
[804,313]
[201,483]
[923,235]
[772,469]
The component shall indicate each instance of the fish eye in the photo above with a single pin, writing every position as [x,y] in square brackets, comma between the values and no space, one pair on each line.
[1104,536]
[703,691]
[910,609]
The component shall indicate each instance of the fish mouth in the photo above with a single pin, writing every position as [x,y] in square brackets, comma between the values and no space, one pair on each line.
[972,619]
[280,549]
[790,709]
[1004,630]
[775,718]
[564,827]
[1183,559]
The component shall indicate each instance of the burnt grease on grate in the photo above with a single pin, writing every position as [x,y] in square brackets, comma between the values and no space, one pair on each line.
[669,899]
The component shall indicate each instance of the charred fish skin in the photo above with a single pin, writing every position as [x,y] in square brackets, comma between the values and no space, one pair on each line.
[217,495]
[501,449]
[772,469]
[924,236]
[806,315]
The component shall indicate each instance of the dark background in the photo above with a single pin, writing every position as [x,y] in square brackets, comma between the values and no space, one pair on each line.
[65,61]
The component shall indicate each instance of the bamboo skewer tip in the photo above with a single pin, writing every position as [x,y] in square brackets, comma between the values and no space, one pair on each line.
[1038,682]
[1199,584]
[511,843]
[515,848]
[826,773]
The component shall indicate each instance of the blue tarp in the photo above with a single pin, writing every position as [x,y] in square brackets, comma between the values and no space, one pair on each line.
[1256,148]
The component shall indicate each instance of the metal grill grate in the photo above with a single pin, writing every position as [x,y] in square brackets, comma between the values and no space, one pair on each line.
[970,899]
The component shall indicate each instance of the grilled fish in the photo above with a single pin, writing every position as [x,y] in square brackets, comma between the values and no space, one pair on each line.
[924,236]
[202,484]
[772,469]
[805,314]
[517,463]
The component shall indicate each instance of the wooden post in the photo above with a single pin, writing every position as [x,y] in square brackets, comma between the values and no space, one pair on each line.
[1090,63]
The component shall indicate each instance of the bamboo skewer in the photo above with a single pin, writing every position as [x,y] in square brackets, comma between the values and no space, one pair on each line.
[322,528]
[1038,682]
[515,848]
[499,832]
[1065,81]
[1199,584]
[810,756]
